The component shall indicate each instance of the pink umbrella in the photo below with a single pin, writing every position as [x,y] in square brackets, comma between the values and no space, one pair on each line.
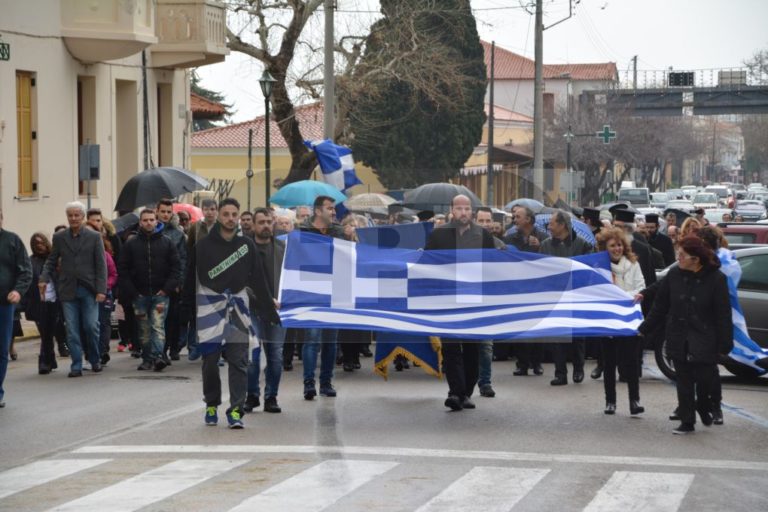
[195,213]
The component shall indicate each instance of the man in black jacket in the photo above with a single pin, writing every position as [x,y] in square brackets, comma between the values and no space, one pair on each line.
[149,272]
[658,240]
[214,296]
[460,356]
[166,223]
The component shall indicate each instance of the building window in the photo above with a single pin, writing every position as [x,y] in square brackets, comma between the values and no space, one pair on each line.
[26,126]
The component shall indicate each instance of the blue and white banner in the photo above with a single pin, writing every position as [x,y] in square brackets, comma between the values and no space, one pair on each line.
[336,162]
[482,294]
[745,349]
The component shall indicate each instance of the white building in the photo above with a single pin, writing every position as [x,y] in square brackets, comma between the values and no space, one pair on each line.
[72,73]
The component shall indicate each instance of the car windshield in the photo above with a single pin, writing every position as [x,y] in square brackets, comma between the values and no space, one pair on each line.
[705,198]
[721,192]
[659,196]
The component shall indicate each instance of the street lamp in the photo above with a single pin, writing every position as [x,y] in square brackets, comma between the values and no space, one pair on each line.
[267,82]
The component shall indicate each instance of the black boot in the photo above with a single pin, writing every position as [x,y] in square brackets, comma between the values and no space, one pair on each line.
[43,368]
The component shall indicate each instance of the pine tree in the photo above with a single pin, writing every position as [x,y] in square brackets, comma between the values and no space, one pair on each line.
[199,124]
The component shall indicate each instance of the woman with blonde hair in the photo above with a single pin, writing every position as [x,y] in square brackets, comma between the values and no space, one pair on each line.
[690,226]
[628,276]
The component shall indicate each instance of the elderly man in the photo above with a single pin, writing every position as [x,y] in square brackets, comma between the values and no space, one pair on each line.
[81,285]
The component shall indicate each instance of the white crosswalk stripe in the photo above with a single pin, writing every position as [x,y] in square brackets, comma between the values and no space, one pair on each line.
[316,488]
[486,489]
[41,472]
[151,486]
[641,492]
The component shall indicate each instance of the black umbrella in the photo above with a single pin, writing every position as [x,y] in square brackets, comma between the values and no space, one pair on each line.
[148,187]
[437,197]
[680,215]
[125,222]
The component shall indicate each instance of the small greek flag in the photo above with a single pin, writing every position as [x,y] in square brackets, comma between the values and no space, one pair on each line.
[336,162]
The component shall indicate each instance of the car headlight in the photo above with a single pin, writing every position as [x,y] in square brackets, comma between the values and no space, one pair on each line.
[764,216]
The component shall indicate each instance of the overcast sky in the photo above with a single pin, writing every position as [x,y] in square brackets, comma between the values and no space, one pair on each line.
[684,34]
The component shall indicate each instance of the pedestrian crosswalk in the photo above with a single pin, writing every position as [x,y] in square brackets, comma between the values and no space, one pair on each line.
[311,485]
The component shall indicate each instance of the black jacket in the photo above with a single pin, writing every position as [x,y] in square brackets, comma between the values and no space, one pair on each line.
[148,264]
[697,312]
[447,237]
[664,244]
[642,250]
[15,268]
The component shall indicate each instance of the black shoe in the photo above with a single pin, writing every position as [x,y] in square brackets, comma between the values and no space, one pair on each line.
[635,408]
[287,367]
[166,359]
[453,402]
[366,352]
[75,373]
[309,389]
[578,376]
[596,373]
[610,408]
[466,403]
[349,367]
[558,381]
[717,415]
[63,351]
[398,366]
[160,365]
[706,417]
[487,391]
[146,366]
[174,356]
[251,402]
[2,404]
[684,428]
[356,365]
[270,405]
[96,368]
[136,354]
[326,389]
[675,416]
[538,370]
[43,369]
[520,372]
[105,358]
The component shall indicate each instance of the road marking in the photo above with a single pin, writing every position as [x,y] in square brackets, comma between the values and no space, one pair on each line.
[425,452]
[486,489]
[41,472]
[151,486]
[316,488]
[641,492]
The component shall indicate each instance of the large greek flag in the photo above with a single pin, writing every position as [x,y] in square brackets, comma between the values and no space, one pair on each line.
[483,294]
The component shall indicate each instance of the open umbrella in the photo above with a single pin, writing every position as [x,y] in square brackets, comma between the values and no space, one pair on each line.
[363,202]
[533,204]
[303,193]
[582,230]
[125,222]
[437,197]
[148,187]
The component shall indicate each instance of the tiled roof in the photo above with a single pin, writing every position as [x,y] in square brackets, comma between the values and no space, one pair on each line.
[310,118]
[511,66]
[203,107]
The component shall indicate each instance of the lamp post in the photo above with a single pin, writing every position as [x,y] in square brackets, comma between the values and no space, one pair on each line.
[267,82]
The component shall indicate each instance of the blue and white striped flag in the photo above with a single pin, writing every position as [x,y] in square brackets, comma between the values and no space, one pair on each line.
[336,162]
[745,349]
[483,293]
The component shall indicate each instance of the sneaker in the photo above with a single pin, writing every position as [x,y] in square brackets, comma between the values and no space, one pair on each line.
[706,417]
[675,416]
[120,347]
[105,359]
[251,402]
[684,428]
[270,405]
[96,368]
[309,389]
[146,366]
[717,415]
[487,391]
[326,389]
[211,416]
[194,354]
[234,418]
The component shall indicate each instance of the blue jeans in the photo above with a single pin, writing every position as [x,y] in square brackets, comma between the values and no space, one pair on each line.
[486,357]
[151,325]
[313,339]
[6,335]
[82,313]
[272,337]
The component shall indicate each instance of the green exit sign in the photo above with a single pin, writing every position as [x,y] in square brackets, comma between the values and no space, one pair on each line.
[5,51]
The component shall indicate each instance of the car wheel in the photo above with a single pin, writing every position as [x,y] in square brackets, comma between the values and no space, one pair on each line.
[664,362]
[741,370]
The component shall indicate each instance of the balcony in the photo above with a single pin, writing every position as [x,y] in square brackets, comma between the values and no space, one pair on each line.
[103,30]
[192,33]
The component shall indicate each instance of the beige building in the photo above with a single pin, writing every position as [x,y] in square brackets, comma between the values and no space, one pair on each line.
[72,72]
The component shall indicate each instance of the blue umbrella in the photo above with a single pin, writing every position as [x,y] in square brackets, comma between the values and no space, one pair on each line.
[301,193]
[533,204]
[582,230]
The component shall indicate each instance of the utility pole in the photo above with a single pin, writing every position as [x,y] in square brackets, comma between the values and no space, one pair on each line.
[329,93]
[538,100]
[634,72]
[490,198]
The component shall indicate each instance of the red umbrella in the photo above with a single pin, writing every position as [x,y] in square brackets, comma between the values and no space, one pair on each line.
[195,213]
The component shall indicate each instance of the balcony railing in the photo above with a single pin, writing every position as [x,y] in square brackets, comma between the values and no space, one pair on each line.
[191,33]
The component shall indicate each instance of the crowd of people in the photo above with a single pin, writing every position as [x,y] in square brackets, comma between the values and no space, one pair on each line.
[211,286]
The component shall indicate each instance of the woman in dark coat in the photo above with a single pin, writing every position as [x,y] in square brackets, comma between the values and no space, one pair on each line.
[43,311]
[693,301]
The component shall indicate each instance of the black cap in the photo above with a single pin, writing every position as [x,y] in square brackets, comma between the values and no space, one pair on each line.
[498,217]
[624,215]
[592,214]
[651,218]
[394,208]
[425,215]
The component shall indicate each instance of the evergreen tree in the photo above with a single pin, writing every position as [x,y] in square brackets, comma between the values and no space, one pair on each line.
[199,123]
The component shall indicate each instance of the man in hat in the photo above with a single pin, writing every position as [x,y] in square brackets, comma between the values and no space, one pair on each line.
[658,240]
[591,218]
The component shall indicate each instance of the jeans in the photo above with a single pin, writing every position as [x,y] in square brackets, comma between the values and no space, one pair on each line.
[151,325]
[272,337]
[313,339]
[6,335]
[486,357]
[82,313]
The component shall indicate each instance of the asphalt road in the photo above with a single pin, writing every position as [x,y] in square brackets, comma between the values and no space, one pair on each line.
[128,440]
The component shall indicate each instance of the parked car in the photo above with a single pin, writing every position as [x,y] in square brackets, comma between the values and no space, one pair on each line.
[659,200]
[723,193]
[753,298]
[759,195]
[750,210]
[706,200]
[744,232]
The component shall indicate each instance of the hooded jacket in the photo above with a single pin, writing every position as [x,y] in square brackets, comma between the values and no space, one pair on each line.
[148,264]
